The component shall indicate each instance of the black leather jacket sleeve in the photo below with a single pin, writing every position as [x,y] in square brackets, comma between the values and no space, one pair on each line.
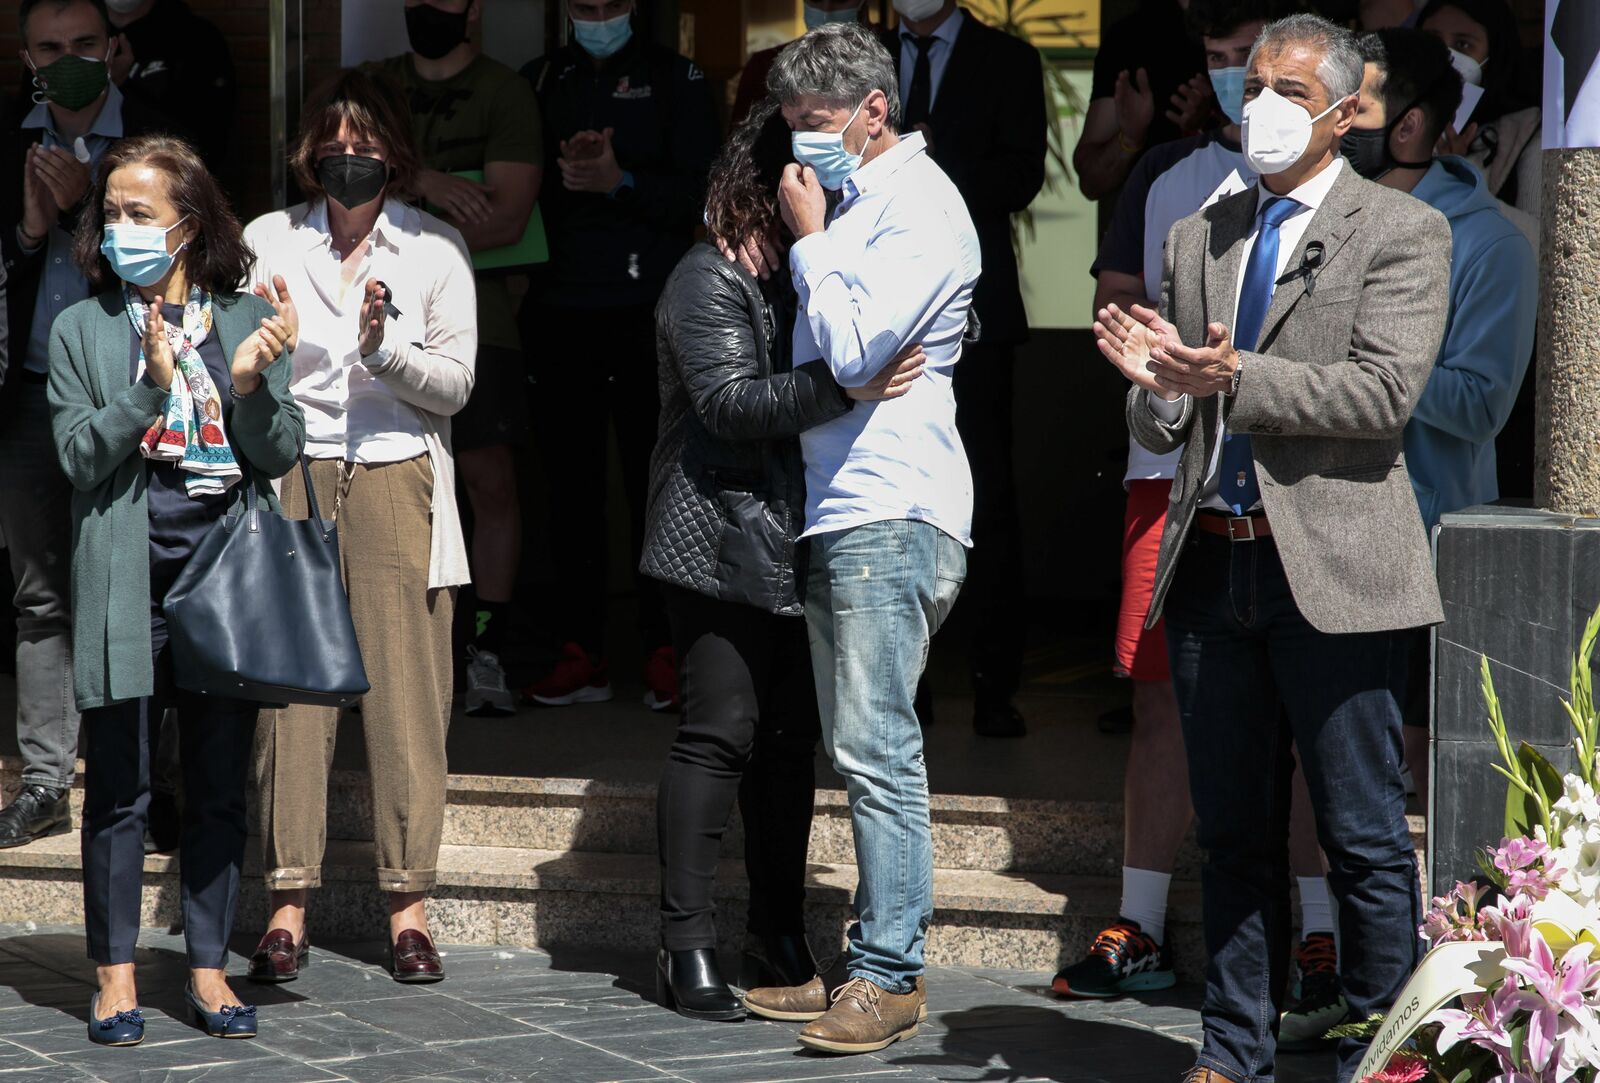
[709,323]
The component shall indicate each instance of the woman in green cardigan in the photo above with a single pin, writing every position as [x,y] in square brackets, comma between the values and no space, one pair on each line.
[167,390]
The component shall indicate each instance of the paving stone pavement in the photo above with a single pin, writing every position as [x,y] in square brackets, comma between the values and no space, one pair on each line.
[514,1014]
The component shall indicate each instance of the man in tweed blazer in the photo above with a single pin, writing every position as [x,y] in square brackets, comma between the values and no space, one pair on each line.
[1298,335]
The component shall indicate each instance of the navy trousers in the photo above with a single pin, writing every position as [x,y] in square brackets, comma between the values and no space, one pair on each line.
[119,745]
[1254,679]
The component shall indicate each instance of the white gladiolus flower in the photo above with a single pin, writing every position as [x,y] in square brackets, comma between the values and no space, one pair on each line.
[1579,854]
[1578,802]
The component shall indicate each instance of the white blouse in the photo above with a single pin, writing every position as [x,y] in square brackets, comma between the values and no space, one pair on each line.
[396,404]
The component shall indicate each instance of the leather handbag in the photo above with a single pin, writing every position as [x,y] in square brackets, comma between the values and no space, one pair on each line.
[260,611]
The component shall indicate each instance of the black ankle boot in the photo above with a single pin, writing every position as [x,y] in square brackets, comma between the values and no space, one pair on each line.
[690,983]
[779,961]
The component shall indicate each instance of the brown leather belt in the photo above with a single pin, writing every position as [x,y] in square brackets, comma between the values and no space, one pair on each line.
[1239,528]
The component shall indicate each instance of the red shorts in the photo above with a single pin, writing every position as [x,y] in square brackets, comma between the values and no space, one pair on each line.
[1141,652]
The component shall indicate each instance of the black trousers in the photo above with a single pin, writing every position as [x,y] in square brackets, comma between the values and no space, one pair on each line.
[749,732]
[992,597]
[119,746]
[590,366]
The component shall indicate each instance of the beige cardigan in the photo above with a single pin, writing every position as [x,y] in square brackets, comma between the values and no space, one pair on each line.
[430,273]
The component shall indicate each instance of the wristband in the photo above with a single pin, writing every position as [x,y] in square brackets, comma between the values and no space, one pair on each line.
[1238,371]
[1127,147]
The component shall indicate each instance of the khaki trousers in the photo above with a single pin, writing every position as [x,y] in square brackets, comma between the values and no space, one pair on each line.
[384,514]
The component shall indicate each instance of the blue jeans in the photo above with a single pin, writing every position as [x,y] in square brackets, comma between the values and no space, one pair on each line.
[1254,680]
[875,595]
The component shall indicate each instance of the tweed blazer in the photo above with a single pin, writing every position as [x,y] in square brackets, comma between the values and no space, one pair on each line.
[1344,353]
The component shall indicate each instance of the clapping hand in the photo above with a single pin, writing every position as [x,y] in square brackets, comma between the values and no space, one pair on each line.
[158,360]
[803,202]
[894,379]
[589,163]
[1201,372]
[1129,342]
[1135,104]
[1192,104]
[61,174]
[257,353]
[372,318]
[278,297]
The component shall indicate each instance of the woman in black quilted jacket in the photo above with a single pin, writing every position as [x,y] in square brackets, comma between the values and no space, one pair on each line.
[726,503]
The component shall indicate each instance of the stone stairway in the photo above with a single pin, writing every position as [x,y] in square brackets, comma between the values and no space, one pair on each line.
[564,863]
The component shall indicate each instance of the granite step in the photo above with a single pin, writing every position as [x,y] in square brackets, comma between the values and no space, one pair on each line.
[560,900]
[977,833]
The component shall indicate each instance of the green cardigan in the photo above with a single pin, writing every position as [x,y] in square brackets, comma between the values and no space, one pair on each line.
[98,415]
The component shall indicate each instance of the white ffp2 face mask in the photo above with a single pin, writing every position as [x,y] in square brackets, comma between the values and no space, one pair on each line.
[1275,131]
[917,10]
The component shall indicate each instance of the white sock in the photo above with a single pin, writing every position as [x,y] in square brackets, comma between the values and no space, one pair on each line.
[1316,906]
[1144,899]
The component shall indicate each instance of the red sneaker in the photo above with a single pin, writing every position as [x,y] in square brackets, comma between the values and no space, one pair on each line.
[576,678]
[661,678]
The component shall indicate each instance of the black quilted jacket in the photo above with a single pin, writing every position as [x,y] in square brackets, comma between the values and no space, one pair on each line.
[727,485]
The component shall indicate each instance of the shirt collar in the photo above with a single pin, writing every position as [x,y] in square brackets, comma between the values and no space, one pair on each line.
[946,31]
[395,223]
[879,172]
[108,123]
[1309,194]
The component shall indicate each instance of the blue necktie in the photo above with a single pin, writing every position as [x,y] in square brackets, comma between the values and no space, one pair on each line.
[1236,473]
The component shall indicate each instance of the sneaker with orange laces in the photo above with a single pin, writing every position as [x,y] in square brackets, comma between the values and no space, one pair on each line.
[1124,959]
[576,678]
[661,680]
[1318,1004]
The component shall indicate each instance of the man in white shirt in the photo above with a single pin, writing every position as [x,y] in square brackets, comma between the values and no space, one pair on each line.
[889,494]
[1300,324]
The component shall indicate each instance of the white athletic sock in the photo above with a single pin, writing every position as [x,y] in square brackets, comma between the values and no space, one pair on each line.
[1316,906]
[1144,899]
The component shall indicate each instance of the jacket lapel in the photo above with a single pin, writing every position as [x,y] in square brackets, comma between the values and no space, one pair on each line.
[1230,228]
[1330,227]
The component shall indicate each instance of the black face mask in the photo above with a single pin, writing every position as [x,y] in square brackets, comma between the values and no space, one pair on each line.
[351,180]
[433,32]
[1368,150]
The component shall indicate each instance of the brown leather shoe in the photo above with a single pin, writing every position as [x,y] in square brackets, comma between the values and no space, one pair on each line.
[803,1003]
[865,1019]
[279,958]
[1199,1074]
[414,960]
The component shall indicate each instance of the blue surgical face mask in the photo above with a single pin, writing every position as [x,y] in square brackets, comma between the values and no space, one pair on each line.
[816,17]
[1228,84]
[138,254]
[603,37]
[825,153]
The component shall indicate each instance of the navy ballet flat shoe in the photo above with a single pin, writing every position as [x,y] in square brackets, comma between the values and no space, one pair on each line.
[233,1021]
[124,1028]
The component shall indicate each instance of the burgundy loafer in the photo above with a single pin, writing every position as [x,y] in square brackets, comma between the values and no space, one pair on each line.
[278,958]
[413,958]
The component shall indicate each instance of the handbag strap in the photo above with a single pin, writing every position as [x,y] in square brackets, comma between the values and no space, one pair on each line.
[253,501]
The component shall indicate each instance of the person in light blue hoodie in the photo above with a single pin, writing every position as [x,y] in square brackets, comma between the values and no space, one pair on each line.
[1410,93]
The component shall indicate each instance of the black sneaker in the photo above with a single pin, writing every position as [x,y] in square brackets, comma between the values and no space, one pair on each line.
[1123,959]
[37,812]
[1318,1005]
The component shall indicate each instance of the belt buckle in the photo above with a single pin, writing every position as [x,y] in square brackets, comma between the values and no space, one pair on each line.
[1249,528]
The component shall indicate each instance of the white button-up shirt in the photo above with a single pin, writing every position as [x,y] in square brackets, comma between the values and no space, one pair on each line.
[1310,196]
[396,404]
[895,267]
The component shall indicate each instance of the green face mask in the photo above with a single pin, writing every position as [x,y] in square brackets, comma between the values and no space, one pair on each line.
[71,82]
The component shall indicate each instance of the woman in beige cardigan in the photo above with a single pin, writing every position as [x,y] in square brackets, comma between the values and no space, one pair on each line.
[388,334]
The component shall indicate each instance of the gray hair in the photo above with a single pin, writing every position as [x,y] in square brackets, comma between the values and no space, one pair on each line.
[839,63]
[1341,67]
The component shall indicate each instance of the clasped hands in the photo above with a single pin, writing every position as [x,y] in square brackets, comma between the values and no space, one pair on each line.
[1147,350]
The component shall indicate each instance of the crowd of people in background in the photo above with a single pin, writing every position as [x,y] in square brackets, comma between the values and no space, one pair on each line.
[804,339]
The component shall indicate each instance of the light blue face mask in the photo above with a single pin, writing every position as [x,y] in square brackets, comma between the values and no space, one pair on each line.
[1228,84]
[825,153]
[138,254]
[603,37]
[816,17]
